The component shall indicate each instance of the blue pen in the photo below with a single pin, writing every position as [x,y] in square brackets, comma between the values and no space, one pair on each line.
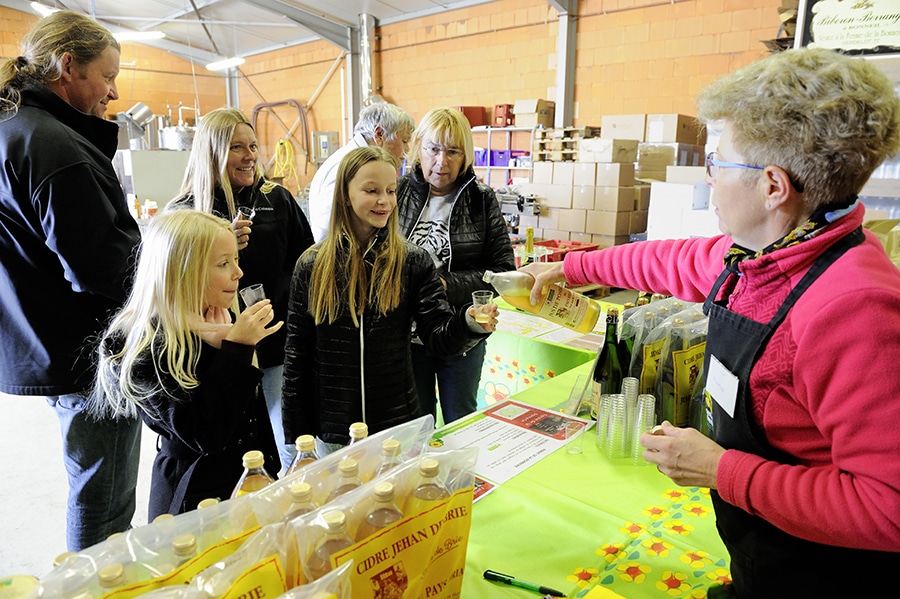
[507,579]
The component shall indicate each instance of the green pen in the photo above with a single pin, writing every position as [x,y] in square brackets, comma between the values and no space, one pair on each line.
[507,579]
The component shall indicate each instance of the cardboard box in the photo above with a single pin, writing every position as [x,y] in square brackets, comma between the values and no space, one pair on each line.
[606,241]
[615,174]
[686,174]
[599,149]
[657,156]
[528,220]
[535,113]
[638,221]
[601,222]
[538,190]
[555,234]
[548,218]
[665,128]
[476,115]
[623,126]
[614,199]
[641,197]
[504,116]
[572,220]
[583,196]
[585,173]
[699,223]
[666,218]
[563,173]
[542,172]
[557,196]
[580,237]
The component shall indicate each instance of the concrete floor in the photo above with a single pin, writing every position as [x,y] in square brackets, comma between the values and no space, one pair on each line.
[34,488]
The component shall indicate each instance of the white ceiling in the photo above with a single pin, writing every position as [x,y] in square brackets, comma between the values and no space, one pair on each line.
[208,30]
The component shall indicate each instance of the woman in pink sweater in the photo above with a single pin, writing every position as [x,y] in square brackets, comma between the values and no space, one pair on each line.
[804,335]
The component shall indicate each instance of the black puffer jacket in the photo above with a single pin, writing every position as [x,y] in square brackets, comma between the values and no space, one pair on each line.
[479,240]
[337,374]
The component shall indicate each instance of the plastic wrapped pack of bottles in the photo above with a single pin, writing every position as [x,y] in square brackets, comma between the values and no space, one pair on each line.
[405,530]
[681,365]
[339,472]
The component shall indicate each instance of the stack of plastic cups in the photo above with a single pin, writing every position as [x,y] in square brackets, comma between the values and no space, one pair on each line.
[603,403]
[630,387]
[617,428]
[644,420]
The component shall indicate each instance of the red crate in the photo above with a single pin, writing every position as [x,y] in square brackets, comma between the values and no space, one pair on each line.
[560,247]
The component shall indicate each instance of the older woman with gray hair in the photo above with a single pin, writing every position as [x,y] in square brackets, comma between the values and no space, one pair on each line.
[803,329]
[380,124]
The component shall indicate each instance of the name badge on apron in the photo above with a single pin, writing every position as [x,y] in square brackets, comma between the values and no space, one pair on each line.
[722,386]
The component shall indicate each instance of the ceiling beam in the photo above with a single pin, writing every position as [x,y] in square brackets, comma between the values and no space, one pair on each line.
[337,34]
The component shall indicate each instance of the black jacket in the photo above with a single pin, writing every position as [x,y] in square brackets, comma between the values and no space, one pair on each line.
[66,243]
[279,234]
[337,374]
[204,431]
[479,240]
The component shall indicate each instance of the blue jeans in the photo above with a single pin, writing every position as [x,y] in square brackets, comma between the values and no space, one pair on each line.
[457,377]
[101,459]
[272,384]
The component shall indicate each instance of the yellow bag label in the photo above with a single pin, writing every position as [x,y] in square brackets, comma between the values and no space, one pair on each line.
[688,367]
[419,557]
[265,580]
[652,354]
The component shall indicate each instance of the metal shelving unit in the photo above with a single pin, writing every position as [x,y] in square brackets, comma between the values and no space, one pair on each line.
[507,133]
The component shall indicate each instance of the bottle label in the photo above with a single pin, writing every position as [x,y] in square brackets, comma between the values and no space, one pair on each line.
[565,307]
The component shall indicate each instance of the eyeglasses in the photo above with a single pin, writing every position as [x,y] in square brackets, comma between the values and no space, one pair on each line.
[434,150]
[713,165]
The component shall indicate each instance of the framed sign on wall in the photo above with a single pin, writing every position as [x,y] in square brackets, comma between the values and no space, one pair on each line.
[865,27]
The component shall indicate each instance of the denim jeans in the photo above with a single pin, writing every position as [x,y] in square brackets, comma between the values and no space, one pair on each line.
[458,378]
[272,384]
[101,459]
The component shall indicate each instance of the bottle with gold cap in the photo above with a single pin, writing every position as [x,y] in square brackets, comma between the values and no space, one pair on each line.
[558,304]
[390,456]
[184,547]
[335,539]
[62,557]
[348,469]
[301,501]
[254,477]
[428,488]
[111,576]
[208,502]
[306,453]
[358,432]
[382,514]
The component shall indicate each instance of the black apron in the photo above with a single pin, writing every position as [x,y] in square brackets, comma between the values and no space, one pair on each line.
[766,561]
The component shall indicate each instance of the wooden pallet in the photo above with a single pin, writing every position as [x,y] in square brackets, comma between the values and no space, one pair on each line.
[567,132]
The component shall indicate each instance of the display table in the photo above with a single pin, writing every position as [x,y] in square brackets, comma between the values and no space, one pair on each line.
[572,522]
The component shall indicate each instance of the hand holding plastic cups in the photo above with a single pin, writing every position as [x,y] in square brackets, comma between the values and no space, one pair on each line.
[480,299]
[252,294]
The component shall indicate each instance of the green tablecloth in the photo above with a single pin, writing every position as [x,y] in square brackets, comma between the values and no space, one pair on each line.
[571,522]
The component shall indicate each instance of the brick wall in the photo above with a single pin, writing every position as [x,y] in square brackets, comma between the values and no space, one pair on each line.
[632,56]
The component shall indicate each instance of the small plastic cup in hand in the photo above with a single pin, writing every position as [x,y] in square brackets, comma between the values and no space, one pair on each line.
[253,294]
[246,213]
[480,299]
[574,438]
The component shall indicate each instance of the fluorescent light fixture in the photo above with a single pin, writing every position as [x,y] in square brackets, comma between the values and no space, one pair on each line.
[138,36]
[221,65]
[42,10]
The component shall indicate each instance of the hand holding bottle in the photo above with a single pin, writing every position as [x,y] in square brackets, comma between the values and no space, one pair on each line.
[545,274]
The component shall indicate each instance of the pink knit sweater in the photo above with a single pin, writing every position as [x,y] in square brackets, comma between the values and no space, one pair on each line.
[826,388]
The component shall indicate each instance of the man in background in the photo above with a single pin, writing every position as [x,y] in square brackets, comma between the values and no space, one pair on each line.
[380,124]
[66,245]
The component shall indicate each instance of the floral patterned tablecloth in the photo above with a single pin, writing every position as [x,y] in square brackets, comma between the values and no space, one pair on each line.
[572,522]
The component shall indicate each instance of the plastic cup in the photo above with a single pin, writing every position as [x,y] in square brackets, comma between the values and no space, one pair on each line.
[603,404]
[617,429]
[644,420]
[480,299]
[246,213]
[574,438]
[253,294]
